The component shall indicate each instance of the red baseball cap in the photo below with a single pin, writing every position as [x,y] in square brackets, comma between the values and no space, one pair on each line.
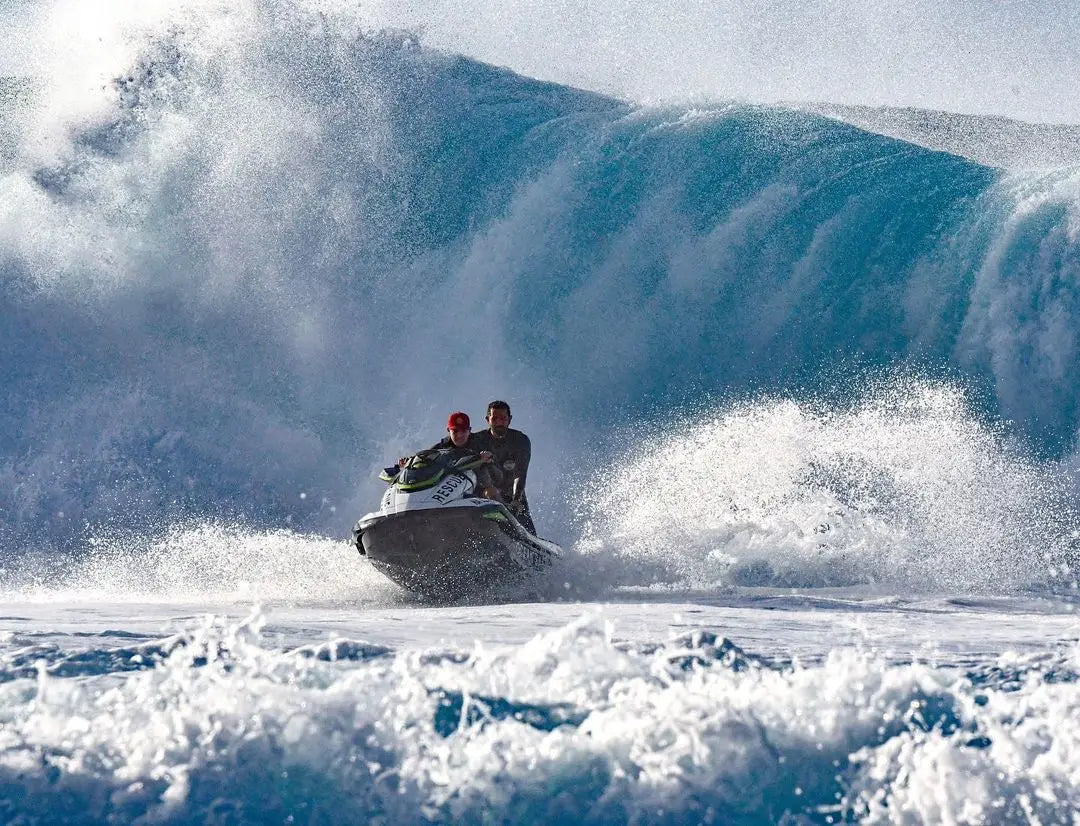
[458,421]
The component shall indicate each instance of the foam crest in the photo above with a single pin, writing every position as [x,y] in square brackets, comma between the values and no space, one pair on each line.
[570,725]
[905,487]
[1014,762]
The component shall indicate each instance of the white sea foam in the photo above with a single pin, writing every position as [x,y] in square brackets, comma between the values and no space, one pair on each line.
[569,725]
[203,562]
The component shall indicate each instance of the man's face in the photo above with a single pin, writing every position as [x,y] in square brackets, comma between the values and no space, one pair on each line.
[498,422]
[459,436]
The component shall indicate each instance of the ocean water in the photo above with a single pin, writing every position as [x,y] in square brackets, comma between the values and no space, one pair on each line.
[801,379]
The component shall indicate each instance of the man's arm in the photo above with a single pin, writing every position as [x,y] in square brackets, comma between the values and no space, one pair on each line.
[522,469]
[487,483]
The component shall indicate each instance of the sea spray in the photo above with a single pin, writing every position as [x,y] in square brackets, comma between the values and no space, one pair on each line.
[904,486]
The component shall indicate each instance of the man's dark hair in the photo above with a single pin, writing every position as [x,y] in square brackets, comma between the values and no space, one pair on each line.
[498,405]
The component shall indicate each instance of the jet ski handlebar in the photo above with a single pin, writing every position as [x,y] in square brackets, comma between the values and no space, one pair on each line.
[448,460]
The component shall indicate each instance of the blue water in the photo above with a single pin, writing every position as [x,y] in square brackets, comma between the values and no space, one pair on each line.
[763,352]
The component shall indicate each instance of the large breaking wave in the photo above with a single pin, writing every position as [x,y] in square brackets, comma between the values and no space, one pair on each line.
[246,254]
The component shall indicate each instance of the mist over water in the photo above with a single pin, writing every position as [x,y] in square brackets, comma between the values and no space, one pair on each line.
[249,252]
[1016,59]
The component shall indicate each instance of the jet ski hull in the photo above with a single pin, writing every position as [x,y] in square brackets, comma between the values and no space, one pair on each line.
[456,551]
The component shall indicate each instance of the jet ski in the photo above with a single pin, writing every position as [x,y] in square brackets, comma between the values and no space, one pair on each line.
[436,535]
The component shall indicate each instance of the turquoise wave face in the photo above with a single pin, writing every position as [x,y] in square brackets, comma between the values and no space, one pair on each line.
[246,270]
[718,251]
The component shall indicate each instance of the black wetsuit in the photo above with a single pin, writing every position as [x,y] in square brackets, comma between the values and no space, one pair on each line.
[512,455]
[471,444]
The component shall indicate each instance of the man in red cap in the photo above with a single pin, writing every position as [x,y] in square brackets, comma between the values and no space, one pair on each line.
[461,437]
[460,430]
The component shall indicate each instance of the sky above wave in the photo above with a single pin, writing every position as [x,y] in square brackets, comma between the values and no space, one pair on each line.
[1013,58]
[1016,58]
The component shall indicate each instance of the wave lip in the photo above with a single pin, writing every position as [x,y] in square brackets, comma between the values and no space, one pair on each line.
[993,141]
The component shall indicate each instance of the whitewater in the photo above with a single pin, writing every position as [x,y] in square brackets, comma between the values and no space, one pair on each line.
[785,297]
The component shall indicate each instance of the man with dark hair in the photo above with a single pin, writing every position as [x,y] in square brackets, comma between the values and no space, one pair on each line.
[512,451]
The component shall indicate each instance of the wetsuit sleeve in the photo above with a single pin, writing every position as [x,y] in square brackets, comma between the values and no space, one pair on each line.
[524,457]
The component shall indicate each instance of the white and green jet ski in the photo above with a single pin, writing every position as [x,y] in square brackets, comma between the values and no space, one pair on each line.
[435,535]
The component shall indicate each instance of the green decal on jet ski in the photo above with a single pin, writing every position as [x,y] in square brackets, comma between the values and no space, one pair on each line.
[420,484]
